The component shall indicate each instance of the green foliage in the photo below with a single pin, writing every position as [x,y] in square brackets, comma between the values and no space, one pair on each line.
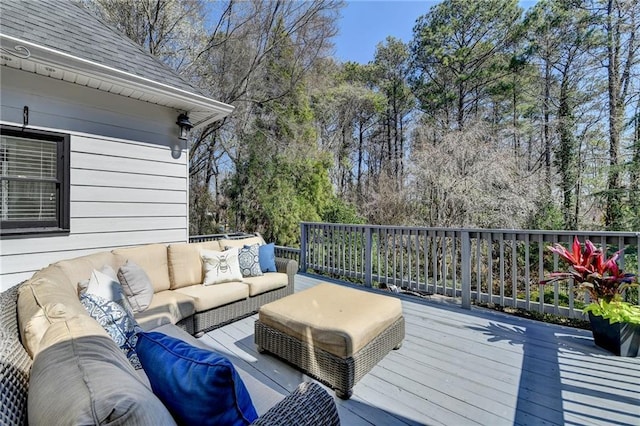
[277,195]
[615,311]
[456,51]
[548,216]
[563,299]
[338,211]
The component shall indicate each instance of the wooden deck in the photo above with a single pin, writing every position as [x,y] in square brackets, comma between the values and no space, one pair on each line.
[469,367]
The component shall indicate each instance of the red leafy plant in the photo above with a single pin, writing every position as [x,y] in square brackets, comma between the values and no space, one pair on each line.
[601,277]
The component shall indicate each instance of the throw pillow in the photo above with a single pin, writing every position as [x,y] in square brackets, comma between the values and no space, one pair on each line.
[102,283]
[198,386]
[220,266]
[105,270]
[268,257]
[117,321]
[249,259]
[136,285]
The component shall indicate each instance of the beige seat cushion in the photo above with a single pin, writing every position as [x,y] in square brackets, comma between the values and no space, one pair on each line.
[267,282]
[185,265]
[153,260]
[242,242]
[337,319]
[212,296]
[166,307]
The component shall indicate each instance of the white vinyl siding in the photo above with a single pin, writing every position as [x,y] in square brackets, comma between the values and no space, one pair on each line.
[126,189]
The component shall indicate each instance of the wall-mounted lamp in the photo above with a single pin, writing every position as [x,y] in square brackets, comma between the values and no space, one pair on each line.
[185,126]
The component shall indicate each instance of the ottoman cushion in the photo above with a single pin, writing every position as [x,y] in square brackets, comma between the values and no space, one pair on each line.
[337,319]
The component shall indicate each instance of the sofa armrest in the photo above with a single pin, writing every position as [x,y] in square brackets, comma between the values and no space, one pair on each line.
[287,266]
[309,405]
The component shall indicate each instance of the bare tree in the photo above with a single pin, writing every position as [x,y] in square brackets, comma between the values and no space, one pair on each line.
[470,180]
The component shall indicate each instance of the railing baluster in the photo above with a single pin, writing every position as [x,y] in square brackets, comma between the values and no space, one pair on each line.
[502,281]
[444,262]
[527,273]
[434,260]
[303,247]
[490,266]
[478,272]
[426,260]
[514,270]
[415,248]
[540,272]
[401,255]
[454,250]
[466,269]
[556,289]
[367,256]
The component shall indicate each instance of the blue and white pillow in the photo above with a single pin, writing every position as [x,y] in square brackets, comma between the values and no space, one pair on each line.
[249,260]
[118,321]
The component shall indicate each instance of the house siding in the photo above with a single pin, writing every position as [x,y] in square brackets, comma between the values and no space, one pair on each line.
[125,187]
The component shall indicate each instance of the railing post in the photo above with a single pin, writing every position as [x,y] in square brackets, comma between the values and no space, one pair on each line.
[466,269]
[303,248]
[368,253]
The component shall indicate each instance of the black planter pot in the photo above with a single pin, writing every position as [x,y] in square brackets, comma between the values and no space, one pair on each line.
[620,338]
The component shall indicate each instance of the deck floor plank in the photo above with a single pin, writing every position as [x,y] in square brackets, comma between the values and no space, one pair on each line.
[468,367]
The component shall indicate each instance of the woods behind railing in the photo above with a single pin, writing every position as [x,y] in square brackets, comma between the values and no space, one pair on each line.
[501,267]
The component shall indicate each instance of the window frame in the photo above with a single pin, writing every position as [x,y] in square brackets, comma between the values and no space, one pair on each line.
[31,228]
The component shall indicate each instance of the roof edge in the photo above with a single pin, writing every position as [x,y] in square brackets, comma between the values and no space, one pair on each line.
[73,63]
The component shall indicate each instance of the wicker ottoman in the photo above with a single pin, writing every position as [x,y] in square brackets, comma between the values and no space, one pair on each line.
[333,333]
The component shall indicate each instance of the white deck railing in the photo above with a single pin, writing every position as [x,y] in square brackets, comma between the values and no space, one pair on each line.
[502,267]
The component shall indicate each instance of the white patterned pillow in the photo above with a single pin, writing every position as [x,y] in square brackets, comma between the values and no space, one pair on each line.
[249,259]
[220,266]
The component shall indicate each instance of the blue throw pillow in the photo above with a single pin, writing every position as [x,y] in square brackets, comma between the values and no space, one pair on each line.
[267,257]
[198,386]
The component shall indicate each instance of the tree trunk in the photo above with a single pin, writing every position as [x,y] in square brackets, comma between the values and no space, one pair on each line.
[546,129]
[634,185]
[566,155]
[460,117]
[613,209]
[360,155]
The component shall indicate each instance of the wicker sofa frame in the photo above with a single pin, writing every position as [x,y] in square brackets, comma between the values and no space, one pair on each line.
[201,322]
[341,374]
[309,404]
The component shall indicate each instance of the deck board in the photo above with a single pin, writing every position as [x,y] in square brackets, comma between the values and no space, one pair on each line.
[468,367]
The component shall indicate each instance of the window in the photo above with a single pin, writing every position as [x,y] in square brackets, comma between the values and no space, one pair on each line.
[34,181]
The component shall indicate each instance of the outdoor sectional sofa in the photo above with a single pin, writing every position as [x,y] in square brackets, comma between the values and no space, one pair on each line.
[58,363]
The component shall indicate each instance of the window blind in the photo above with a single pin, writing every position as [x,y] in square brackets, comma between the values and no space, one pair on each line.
[29,182]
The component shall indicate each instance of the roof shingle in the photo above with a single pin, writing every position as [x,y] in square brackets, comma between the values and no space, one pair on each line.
[66,27]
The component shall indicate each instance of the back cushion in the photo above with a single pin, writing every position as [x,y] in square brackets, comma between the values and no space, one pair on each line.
[152,259]
[79,269]
[242,242]
[185,265]
[81,377]
[42,301]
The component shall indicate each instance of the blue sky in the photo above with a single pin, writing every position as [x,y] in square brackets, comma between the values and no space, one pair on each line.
[365,23]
